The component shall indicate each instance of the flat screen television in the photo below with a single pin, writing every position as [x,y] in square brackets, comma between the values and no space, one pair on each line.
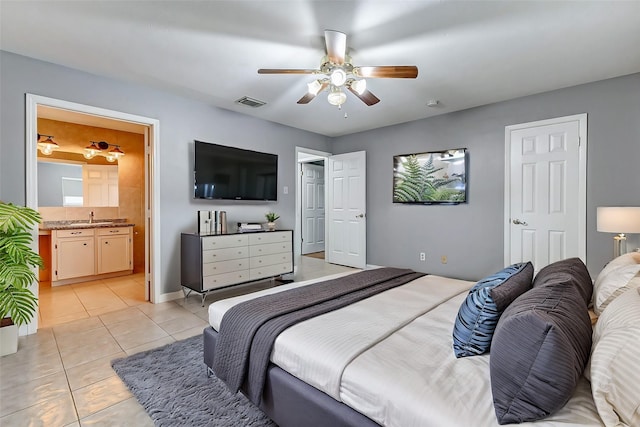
[230,173]
[430,177]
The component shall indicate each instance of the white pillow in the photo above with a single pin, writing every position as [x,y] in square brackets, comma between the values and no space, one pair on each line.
[625,259]
[614,279]
[614,370]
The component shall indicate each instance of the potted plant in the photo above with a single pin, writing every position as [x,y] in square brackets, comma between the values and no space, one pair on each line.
[17,260]
[271,220]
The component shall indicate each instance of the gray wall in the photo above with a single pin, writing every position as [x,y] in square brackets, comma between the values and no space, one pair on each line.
[471,235]
[181,121]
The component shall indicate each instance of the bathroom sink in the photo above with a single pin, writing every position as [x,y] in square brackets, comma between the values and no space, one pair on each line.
[82,224]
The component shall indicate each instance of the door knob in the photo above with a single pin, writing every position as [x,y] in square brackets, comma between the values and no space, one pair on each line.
[518,222]
[360,216]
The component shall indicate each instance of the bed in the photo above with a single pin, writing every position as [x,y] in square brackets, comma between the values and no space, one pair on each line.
[388,360]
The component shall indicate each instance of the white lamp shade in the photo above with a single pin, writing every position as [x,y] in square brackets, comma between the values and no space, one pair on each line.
[618,219]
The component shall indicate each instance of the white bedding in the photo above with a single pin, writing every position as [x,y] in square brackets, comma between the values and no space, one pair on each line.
[391,358]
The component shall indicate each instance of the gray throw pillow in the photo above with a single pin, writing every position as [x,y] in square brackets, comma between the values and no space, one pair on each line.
[539,351]
[571,271]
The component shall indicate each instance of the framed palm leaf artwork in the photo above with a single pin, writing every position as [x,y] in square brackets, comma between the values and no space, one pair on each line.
[435,177]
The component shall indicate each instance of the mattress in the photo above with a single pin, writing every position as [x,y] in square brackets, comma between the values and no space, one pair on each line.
[390,357]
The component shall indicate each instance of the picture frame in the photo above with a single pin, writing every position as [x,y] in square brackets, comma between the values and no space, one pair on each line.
[431,177]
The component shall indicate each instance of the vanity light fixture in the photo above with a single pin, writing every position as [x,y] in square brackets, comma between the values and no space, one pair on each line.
[99,147]
[47,146]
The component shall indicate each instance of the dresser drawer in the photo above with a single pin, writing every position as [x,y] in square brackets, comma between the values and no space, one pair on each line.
[220,242]
[80,232]
[225,254]
[269,248]
[271,270]
[270,237]
[225,279]
[265,260]
[212,268]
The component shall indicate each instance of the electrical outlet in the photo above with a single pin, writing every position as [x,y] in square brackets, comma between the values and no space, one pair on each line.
[443,259]
[423,256]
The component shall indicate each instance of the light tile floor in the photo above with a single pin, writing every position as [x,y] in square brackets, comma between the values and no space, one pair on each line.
[62,376]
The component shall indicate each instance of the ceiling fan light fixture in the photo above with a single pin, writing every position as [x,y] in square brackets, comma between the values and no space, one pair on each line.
[359,86]
[314,87]
[338,77]
[336,96]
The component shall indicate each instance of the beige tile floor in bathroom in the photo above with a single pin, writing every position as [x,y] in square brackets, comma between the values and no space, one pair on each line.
[62,376]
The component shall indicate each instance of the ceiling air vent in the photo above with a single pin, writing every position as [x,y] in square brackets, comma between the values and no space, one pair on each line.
[250,102]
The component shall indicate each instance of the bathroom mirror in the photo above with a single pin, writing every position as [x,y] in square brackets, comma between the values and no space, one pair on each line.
[73,183]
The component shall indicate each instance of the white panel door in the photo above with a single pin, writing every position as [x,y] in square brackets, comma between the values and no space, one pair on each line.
[100,185]
[312,208]
[546,201]
[346,217]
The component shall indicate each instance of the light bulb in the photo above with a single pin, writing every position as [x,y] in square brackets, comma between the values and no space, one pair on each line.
[359,86]
[336,97]
[314,87]
[338,77]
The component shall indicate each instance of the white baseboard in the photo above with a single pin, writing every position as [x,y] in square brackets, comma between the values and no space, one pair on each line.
[170,296]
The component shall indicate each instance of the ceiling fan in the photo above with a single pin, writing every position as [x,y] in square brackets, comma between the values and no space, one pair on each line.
[338,72]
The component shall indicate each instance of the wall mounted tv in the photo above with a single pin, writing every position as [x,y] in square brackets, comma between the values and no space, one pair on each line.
[230,173]
[430,177]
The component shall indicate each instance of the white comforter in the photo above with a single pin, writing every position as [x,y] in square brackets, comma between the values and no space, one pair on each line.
[391,358]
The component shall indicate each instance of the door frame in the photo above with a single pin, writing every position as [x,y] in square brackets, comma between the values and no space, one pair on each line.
[152,174]
[582,178]
[297,231]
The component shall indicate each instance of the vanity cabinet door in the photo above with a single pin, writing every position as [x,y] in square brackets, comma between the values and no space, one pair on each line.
[114,253]
[75,257]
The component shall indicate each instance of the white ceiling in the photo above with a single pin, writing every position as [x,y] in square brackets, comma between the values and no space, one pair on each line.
[468,53]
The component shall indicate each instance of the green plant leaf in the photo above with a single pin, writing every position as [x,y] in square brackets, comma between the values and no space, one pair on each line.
[14,218]
[17,260]
[17,303]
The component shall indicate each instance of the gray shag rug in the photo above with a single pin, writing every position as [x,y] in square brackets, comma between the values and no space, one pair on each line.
[171,384]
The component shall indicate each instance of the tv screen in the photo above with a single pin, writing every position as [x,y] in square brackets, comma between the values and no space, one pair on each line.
[223,172]
[430,177]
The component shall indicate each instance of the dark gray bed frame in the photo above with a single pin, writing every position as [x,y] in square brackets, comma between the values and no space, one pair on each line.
[290,402]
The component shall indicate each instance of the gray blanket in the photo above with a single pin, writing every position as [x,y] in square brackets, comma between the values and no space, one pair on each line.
[249,329]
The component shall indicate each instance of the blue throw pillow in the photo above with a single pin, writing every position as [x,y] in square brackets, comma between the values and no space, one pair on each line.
[479,313]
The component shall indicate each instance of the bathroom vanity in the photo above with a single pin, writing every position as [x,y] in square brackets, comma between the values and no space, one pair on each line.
[83,251]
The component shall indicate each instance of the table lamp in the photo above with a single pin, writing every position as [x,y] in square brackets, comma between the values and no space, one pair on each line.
[619,220]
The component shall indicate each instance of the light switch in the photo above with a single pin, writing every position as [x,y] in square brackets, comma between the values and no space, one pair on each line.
[285,190]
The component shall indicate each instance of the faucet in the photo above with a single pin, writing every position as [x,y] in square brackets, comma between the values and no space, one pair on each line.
[91,217]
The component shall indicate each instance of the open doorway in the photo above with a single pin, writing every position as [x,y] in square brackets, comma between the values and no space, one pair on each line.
[310,234]
[148,204]
[312,208]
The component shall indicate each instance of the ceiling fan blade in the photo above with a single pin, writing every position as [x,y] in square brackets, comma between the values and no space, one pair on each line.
[336,46]
[388,71]
[286,71]
[367,97]
[309,96]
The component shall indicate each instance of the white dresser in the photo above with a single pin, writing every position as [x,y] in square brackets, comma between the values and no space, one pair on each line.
[211,262]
